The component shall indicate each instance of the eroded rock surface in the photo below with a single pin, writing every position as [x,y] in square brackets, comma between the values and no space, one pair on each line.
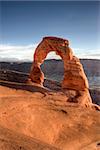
[10,140]
[31,115]
[48,118]
[74,76]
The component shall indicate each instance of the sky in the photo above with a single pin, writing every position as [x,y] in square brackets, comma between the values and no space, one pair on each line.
[23,24]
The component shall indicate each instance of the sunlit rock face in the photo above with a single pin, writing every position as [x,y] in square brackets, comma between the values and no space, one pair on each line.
[74,76]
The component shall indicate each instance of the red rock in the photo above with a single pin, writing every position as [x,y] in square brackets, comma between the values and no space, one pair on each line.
[31,121]
[74,76]
[36,74]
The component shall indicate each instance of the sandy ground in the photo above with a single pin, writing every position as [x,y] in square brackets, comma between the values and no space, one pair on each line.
[32,119]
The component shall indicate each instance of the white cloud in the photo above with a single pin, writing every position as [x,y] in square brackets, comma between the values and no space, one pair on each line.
[19,52]
[87,53]
[12,47]
[25,52]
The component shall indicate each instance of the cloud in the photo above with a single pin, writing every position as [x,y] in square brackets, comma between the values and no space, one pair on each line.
[19,52]
[87,53]
[25,52]
[13,47]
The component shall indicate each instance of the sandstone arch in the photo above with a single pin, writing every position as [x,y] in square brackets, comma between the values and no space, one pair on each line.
[74,76]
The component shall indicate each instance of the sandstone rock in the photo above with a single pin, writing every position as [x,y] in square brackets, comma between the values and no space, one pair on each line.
[60,46]
[36,74]
[50,119]
[74,76]
[10,140]
[56,116]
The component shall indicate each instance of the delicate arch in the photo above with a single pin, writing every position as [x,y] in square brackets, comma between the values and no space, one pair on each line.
[48,44]
[74,76]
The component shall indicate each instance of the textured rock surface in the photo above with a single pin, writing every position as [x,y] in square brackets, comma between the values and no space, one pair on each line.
[36,75]
[56,116]
[12,140]
[74,76]
[60,46]
[48,118]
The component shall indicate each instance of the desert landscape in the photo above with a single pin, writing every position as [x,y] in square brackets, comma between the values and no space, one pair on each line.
[41,120]
[33,118]
[45,108]
[49,75]
[53,70]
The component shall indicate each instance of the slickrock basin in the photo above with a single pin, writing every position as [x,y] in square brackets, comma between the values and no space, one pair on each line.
[48,118]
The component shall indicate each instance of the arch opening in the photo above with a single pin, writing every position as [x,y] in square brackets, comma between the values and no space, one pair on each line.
[53,68]
[52,55]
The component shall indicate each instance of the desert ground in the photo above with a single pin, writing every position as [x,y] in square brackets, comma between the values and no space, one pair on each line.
[40,118]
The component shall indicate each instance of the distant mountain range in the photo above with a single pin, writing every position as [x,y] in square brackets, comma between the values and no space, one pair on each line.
[53,66]
[53,69]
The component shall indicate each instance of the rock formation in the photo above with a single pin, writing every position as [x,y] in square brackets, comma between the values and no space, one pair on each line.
[74,76]
[32,120]
[50,117]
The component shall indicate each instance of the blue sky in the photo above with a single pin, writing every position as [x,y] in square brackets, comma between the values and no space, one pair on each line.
[23,24]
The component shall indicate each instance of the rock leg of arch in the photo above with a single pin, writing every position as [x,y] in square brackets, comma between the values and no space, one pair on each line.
[74,76]
[36,75]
